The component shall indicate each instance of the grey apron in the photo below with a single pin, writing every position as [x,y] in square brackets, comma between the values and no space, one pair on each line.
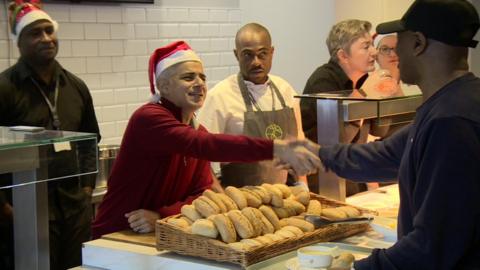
[275,124]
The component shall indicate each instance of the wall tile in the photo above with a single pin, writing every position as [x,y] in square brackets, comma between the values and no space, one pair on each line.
[71,31]
[200,44]
[228,30]
[210,59]
[218,15]
[152,45]
[189,30]
[91,80]
[142,62]
[209,30]
[219,44]
[124,63]
[199,15]
[60,13]
[156,15]
[103,97]
[76,65]
[108,129]
[135,47]
[122,31]
[234,16]
[99,64]
[228,59]
[168,30]
[97,31]
[110,48]
[109,14]
[83,14]
[146,31]
[112,80]
[65,48]
[114,113]
[84,48]
[125,95]
[178,14]
[133,15]
[137,78]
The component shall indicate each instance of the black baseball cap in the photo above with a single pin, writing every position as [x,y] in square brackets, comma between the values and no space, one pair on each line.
[454,22]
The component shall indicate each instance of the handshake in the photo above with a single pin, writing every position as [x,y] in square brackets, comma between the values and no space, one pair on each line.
[299,157]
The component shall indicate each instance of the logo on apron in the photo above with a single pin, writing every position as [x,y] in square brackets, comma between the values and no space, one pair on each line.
[273,131]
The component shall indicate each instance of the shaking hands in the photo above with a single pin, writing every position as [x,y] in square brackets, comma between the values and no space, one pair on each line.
[300,157]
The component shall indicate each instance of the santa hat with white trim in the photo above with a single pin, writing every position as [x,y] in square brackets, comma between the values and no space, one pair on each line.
[167,56]
[24,13]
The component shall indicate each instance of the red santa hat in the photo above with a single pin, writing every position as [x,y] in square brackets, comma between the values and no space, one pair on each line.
[167,56]
[24,13]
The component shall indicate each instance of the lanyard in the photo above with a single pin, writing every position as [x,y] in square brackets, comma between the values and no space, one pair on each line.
[51,107]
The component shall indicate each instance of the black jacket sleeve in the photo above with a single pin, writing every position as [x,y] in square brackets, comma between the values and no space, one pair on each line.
[446,199]
[377,160]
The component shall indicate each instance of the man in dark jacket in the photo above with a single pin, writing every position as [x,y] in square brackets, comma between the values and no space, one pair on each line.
[436,157]
[37,91]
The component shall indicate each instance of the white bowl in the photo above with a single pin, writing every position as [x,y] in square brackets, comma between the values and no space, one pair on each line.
[315,257]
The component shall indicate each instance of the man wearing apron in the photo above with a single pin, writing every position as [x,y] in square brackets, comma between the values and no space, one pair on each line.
[253,103]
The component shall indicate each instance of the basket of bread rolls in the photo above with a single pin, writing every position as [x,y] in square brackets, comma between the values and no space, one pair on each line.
[253,223]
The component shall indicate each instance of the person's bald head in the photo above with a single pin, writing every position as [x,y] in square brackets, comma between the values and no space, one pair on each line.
[252,29]
[254,52]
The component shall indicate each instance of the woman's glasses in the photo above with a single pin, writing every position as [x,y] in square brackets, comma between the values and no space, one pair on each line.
[385,50]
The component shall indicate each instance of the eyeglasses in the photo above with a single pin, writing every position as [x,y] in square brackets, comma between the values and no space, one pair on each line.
[386,50]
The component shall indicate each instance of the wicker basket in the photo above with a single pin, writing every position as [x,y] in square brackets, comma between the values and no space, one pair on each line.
[174,239]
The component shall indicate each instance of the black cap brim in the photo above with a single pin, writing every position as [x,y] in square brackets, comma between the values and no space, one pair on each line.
[390,27]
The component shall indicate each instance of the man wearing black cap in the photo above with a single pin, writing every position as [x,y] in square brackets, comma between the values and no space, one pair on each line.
[436,157]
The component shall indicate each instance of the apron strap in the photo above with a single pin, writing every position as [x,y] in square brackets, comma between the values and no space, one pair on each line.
[244,91]
[248,101]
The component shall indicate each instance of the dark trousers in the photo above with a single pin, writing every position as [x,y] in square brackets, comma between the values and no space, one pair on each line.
[6,244]
[66,238]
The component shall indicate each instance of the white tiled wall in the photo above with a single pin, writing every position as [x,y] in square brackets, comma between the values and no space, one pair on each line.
[108,46]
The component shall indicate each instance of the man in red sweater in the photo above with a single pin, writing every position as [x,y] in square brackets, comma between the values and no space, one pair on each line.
[163,161]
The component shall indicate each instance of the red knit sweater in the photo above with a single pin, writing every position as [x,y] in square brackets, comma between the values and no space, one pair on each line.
[163,164]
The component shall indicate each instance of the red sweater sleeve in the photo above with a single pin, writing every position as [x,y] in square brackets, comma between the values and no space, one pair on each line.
[165,135]
[204,182]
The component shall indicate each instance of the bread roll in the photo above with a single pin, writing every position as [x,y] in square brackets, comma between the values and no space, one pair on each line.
[264,240]
[268,212]
[285,234]
[297,231]
[314,208]
[350,211]
[296,189]
[229,203]
[281,212]
[286,192]
[237,196]
[216,199]
[257,224]
[302,224]
[189,211]
[178,222]
[273,237]
[225,227]
[205,206]
[303,197]
[189,221]
[243,227]
[250,243]
[253,199]
[297,207]
[261,192]
[333,213]
[276,195]
[204,227]
[344,261]
[267,227]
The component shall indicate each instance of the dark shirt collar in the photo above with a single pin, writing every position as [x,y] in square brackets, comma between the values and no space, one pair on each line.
[176,111]
[444,90]
[344,79]
[25,71]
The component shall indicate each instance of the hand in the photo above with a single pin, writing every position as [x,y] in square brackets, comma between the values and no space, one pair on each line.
[381,84]
[142,221]
[296,157]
